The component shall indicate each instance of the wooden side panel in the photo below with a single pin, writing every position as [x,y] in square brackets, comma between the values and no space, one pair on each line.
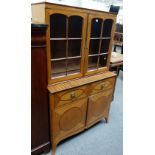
[40,133]
[69,119]
[98,107]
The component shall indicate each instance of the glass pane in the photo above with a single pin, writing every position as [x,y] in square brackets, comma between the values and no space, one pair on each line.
[105,45]
[92,62]
[75,27]
[58,49]
[94,46]
[116,37]
[96,27]
[58,26]
[119,28]
[73,66]
[58,68]
[74,48]
[103,60]
[107,26]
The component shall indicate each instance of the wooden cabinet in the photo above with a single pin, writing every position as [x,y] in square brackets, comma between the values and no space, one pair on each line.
[79,43]
[40,122]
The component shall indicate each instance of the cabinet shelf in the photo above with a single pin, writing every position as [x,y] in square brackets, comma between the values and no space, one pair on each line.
[65,38]
[66,58]
[100,38]
[119,33]
[91,55]
[60,71]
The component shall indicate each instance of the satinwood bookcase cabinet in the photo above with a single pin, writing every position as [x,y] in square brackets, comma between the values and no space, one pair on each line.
[79,44]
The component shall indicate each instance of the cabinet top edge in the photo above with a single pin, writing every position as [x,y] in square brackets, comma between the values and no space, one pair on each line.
[74,7]
[36,25]
[61,86]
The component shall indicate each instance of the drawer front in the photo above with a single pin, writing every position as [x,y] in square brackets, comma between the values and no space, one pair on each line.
[70,95]
[102,86]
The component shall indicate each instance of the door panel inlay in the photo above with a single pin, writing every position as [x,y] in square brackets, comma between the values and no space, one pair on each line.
[67,122]
[100,106]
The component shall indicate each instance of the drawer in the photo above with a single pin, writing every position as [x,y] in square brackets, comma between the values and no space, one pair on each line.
[70,95]
[102,86]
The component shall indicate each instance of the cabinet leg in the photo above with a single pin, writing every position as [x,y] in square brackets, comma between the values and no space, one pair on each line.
[106,119]
[114,48]
[53,149]
[117,70]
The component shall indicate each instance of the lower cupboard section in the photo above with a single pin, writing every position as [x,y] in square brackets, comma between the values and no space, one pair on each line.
[80,114]
[75,109]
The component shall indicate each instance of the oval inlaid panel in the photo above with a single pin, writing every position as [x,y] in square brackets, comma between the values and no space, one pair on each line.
[67,96]
[70,118]
[106,84]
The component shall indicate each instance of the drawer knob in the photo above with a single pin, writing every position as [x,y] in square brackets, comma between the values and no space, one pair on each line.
[102,86]
[72,95]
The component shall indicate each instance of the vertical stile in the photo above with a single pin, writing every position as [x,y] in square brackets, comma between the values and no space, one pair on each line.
[67,19]
[100,44]
[81,45]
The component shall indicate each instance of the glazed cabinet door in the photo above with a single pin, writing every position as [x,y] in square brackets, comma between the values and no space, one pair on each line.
[99,43]
[66,41]
[69,119]
[98,107]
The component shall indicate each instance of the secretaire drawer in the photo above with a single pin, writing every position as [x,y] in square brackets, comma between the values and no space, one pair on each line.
[70,95]
[102,85]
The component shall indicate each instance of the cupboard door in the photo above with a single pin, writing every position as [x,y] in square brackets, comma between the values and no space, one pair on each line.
[99,43]
[66,41]
[69,119]
[98,107]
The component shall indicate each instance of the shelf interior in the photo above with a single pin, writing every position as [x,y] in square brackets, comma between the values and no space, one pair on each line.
[99,43]
[97,62]
[65,42]
[66,67]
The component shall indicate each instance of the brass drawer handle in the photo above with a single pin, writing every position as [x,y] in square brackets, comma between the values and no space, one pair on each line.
[72,95]
[102,86]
